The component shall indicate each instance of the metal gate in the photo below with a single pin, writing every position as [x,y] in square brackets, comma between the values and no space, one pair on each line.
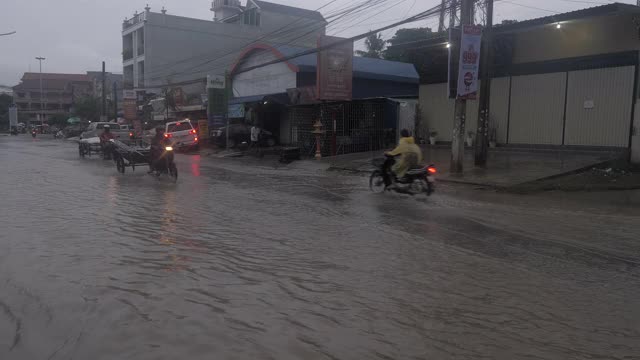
[348,127]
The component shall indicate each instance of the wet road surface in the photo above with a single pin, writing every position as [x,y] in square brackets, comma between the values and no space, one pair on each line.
[241,261]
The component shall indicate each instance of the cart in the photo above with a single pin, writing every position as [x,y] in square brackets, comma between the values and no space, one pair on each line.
[130,155]
[87,147]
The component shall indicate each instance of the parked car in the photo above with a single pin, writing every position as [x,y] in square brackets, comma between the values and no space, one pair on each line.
[242,133]
[182,134]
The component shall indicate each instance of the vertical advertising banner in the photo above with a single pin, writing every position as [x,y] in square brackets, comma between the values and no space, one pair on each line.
[469,66]
[217,100]
[129,105]
[335,70]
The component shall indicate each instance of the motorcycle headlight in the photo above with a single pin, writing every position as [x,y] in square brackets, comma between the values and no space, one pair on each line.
[169,148]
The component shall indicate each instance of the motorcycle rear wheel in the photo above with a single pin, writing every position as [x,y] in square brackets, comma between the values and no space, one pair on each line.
[376,182]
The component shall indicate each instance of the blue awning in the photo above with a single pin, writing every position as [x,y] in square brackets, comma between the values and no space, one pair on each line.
[282,98]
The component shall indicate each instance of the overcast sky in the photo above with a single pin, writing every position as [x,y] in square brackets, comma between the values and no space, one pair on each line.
[77,36]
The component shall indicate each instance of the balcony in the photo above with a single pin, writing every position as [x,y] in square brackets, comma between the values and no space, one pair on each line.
[127,54]
[141,50]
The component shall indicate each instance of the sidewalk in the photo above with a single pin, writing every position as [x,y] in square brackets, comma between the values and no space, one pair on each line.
[504,168]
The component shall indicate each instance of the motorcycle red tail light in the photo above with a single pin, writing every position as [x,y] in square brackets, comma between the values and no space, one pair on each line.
[432,170]
[167,136]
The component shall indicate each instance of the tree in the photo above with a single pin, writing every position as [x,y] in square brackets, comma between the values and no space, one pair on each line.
[375,47]
[5,101]
[88,108]
[405,46]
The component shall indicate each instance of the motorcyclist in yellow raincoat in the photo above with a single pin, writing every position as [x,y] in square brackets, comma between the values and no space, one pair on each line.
[410,154]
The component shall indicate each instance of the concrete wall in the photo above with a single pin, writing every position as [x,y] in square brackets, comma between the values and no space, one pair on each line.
[271,79]
[437,111]
[180,49]
[593,36]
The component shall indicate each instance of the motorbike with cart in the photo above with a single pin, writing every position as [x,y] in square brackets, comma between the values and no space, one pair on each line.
[139,154]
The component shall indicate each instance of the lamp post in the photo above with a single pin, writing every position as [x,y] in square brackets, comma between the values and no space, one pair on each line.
[40,58]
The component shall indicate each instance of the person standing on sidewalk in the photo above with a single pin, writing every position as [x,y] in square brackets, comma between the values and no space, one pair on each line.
[255,138]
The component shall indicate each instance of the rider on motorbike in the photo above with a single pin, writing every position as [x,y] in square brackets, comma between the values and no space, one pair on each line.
[410,154]
[158,145]
[106,135]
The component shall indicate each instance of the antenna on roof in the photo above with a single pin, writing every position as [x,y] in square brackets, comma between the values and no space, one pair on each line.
[147,8]
[164,11]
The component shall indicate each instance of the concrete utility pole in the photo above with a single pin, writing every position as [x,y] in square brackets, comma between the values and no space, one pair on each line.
[40,58]
[115,100]
[460,113]
[452,14]
[104,93]
[443,10]
[486,61]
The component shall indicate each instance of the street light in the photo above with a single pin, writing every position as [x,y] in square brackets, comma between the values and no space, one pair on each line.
[40,58]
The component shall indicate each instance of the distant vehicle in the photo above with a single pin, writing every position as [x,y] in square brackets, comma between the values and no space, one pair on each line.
[95,129]
[33,133]
[240,133]
[182,135]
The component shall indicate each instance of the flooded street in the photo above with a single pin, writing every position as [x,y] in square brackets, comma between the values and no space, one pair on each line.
[242,261]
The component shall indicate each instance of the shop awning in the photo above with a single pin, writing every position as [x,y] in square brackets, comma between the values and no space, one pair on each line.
[282,98]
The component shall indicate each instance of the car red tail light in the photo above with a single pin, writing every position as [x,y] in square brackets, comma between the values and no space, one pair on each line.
[432,170]
[196,139]
[193,131]
[130,134]
[168,136]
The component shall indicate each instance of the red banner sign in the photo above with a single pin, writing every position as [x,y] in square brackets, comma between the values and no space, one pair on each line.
[335,70]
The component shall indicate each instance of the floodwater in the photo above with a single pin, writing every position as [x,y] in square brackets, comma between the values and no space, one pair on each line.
[240,260]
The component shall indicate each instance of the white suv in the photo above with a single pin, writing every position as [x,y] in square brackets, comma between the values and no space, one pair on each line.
[182,134]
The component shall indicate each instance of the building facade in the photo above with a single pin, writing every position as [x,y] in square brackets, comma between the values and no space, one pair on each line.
[162,50]
[282,97]
[568,80]
[57,97]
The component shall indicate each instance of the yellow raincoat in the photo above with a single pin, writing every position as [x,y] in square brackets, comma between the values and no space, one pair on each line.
[410,156]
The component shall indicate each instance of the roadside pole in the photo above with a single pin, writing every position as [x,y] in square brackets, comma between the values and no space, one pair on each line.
[115,100]
[486,60]
[227,96]
[460,113]
[104,94]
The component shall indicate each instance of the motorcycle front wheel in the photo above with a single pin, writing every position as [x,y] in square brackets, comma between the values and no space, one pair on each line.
[173,171]
[376,182]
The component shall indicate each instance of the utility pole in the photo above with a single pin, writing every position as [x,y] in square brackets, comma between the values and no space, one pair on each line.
[453,11]
[460,113]
[104,93]
[443,10]
[486,61]
[115,100]
[40,58]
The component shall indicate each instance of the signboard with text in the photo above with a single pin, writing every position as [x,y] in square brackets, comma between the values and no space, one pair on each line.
[203,129]
[236,111]
[469,65]
[335,70]
[130,109]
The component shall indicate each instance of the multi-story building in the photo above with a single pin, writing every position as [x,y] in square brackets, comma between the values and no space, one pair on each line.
[111,80]
[162,50]
[58,93]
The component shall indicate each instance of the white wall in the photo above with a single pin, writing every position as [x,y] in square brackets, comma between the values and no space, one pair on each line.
[272,79]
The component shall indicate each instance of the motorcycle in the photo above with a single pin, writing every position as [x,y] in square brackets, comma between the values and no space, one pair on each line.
[33,133]
[59,135]
[416,181]
[164,164]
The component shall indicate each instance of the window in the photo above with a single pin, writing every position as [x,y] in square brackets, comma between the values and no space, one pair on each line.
[181,126]
[252,17]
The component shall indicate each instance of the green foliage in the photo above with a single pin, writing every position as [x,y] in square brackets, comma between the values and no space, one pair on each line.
[375,47]
[405,47]
[87,108]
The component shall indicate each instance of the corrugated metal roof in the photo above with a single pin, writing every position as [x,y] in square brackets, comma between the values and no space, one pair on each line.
[289,10]
[362,67]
